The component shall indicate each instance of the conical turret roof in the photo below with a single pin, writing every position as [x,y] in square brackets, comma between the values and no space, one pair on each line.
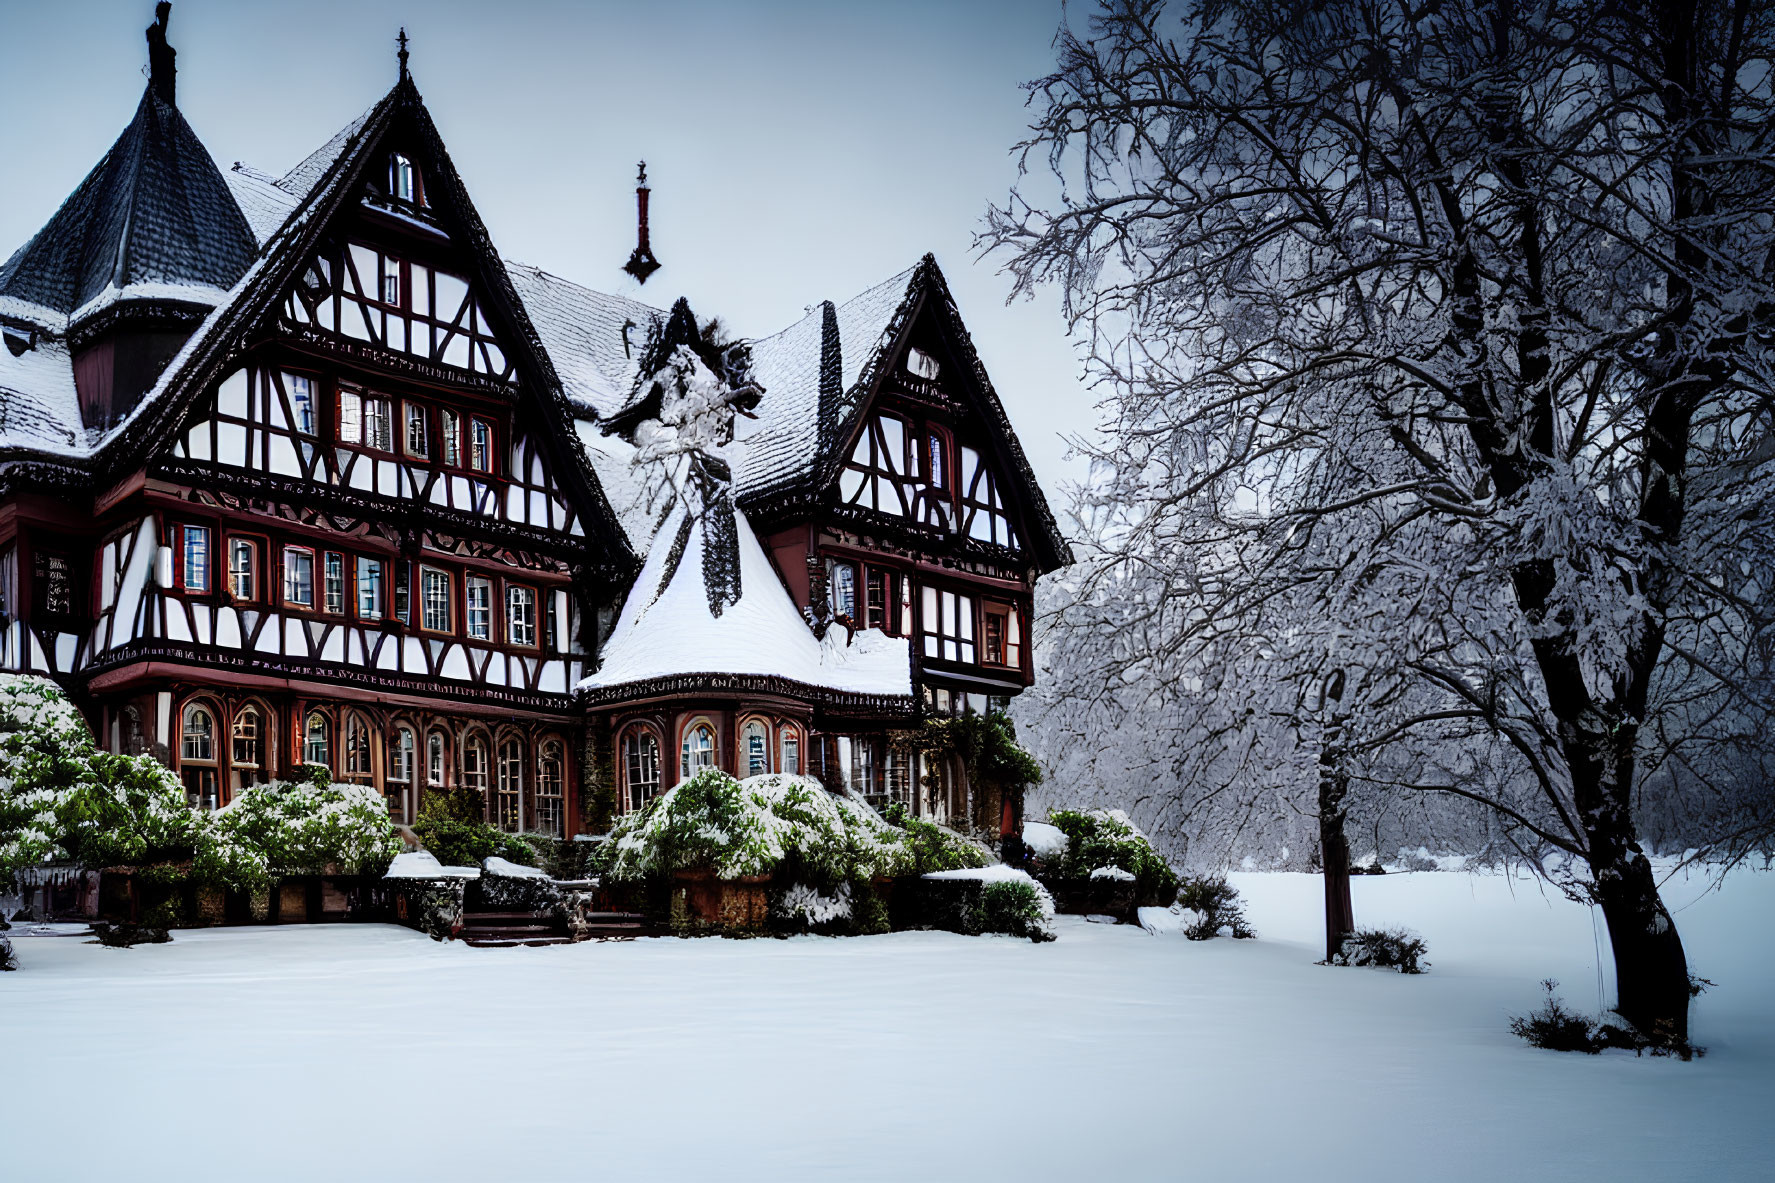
[154,219]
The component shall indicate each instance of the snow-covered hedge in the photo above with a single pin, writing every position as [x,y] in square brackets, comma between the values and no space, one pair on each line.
[63,800]
[776,824]
[1103,844]
[310,826]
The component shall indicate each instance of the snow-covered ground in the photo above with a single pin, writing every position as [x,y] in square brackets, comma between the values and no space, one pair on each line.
[366,1052]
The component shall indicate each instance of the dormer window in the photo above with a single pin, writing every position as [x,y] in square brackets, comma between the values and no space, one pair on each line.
[403,180]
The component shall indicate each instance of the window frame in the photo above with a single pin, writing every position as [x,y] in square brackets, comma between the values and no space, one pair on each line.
[752,725]
[182,568]
[357,587]
[513,618]
[284,599]
[449,583]
[330,559]
[691,725]
[257,546]
[631,735]
[470,582]
[408,407]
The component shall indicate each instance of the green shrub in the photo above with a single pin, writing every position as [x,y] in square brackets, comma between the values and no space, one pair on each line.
[1106,838]
[1217,902]
[309,826]
[467,843]
[1384,949]
[1012,906]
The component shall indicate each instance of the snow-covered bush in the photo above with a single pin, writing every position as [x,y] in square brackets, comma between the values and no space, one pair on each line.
[63,800]
[774,825]
[1101,839]
[310,826]
[1216,906]
[997,899]
[1390,948]
[1014,906]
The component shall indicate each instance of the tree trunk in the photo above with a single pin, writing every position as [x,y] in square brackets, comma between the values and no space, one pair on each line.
[1334,855]
[1334,845]
[1651,970]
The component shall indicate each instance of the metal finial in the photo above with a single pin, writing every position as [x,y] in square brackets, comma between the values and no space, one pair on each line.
[641,173]
[402,42]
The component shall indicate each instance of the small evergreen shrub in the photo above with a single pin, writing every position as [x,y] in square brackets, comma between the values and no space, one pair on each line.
[1103,838]
[1216,903]
[1555,1028]
[1391,948]
[1012,906]
[452,827]
[122,935]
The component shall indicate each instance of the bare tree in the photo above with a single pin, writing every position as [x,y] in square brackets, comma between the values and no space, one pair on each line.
[1450,320]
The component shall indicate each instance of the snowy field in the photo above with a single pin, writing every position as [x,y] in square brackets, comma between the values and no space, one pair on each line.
[369,1052]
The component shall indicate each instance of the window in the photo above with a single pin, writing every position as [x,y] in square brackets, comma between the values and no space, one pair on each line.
[939,467]
[247,728]
[1001,635]
[510,812]
[520,615]
[391,281]
[197,756]
[551,785]
[379,424]
[403,593]
[791,752]
[369,588]
[436,758]
[844,590]
[194,572]
[434,593]
[317,739]
[247,754]
[879,612]
[351,417]
[55,583]
[400,764]
[948,622]
[357,748]
[243,562]
[474,767]
[418,432]
[480,447]
[197,734]
[983,512]
[298,576]
[755,743]
[640,753]
[452,438]
[301,391]
[921,364]
[897,776]
[403,180]
[698,750]
[479,601]
[8,570]
[335,582]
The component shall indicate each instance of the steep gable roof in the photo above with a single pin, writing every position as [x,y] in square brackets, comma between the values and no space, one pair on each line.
[153,218]
[253,300]
[595,339]
[821,372]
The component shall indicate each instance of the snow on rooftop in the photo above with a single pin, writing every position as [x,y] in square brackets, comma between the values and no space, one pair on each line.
[593,338]
[669,632]
[39,408]
[265,205]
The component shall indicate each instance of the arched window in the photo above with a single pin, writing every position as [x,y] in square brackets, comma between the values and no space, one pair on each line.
[317,740]
[357,748]
[197,755]
[197,734]
[640,758]
[511,785]
[791,750]
[474,767]
[437,759]
[698,750]
[551,788]
[249,740]
[755,747]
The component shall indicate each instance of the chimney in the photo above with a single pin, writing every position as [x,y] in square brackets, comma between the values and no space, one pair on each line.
[641,264]
[161,72]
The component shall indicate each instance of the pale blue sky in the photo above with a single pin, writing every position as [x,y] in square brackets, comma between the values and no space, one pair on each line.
[798,151]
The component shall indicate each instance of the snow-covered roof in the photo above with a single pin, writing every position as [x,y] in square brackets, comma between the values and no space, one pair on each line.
[584,333]
[668,632]
[265,205]
[783,444]
[153,219]
[38,405]
[300,181]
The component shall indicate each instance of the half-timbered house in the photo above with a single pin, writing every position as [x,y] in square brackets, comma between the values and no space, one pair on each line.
[298,470]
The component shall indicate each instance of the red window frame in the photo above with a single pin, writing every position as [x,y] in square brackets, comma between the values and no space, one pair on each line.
[453,609]
[314,578]
[505,603]
[179,581]
[261,547]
